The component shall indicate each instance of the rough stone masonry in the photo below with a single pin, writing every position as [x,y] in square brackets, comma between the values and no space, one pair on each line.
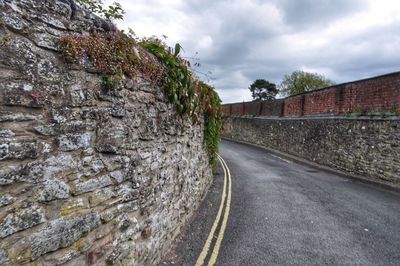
[369,148]
[87,176]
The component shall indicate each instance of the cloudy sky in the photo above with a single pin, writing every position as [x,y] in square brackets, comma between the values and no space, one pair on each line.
[239,41]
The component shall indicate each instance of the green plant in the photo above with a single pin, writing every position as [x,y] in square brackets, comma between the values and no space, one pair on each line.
[395,109]
[263,90]
[113,11]
[211,106]
[301,81]
[189,96]
[110,82]
[177,77]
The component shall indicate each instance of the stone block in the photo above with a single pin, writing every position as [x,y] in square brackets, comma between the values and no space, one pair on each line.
[119,253]
[70,142]
[118,176]
[91,184]
[127,192]
[31,99]
[74,205]
[3,257]
[98,197]
[111,136]
[118,110]
[30,172]
[92,165]
[53,189]
[7,116]
[19,150]
[64,128]
[21,219]
[61,233]
[6,134]
[80,97]
[6,199]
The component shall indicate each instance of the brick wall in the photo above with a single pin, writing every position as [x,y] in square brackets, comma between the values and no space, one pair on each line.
[377,94]
[272,108]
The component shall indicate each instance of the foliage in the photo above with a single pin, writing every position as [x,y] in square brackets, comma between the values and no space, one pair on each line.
[116,55]
[113,11]
[110,82]
[177,77]
[301,81]
[112,53]
[188,95]
[263,90]
[211,105]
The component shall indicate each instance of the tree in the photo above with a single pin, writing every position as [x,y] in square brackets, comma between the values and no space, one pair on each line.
[262,90]
[113,11]
[301,81]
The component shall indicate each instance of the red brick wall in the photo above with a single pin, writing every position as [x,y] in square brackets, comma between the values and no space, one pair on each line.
[321,102]
[293,106]
[272,108]
[252,108]
[378,94]
[237,108]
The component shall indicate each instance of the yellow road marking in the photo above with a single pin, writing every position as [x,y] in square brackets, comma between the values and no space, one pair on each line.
[214,255]
[204,252]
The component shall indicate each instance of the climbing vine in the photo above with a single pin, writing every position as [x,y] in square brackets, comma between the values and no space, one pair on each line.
[117,55]
[211,106]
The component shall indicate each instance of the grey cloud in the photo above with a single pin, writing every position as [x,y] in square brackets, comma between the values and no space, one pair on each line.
[312,13]
[252,39]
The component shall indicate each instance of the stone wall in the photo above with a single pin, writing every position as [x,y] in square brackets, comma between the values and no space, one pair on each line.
[378,95]
[365,147]
[87,175]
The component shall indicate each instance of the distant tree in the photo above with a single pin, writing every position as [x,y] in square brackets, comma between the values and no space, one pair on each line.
[262,90]
[301,81]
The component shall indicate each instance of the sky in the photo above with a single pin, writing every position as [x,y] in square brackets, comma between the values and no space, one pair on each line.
[238,41]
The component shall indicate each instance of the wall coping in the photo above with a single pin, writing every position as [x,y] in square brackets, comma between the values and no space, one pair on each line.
[361,118]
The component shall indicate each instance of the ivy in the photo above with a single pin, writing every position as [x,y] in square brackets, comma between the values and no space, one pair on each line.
[211,106]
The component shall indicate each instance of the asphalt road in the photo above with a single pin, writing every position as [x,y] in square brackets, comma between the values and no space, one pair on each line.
[286,213]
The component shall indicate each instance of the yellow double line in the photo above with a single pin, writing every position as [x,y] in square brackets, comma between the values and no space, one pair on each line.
[226,196]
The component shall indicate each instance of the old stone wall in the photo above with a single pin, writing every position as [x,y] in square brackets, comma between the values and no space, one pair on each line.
[377,95]
[365,147]
[88,176]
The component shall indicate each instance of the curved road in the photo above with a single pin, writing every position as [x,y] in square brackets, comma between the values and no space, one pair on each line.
[286,213]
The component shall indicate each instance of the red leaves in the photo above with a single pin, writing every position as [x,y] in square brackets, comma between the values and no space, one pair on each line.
[113,53]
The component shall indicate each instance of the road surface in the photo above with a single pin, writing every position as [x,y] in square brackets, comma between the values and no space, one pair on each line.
[286,213]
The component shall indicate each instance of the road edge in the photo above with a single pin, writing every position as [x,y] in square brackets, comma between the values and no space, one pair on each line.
[297,159]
